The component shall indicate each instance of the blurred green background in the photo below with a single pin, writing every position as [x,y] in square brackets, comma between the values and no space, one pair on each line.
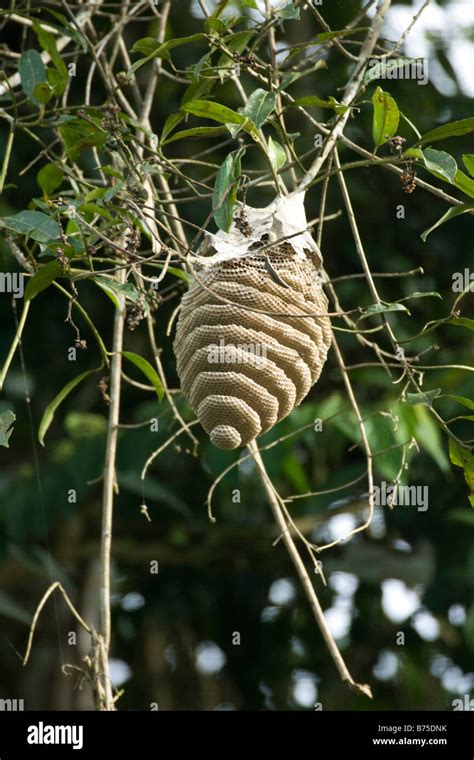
[174,632]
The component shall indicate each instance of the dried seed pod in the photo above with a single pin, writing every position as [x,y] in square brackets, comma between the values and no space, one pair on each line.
[247,345]
[408,179]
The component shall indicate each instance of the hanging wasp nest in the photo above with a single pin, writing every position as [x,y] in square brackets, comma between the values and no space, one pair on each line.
[247,345]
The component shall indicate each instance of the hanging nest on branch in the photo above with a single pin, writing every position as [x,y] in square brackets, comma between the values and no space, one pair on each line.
[253,335]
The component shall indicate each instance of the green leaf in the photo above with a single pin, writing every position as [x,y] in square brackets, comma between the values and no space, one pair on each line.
[450,214]
[462,322]
[327,36]
[146,45]
[415,153]
[171,122]
[79,134]
[154,49]
[386,117]
[207,109]
[49,178]
[116,290]
[68,29]
[453,129]
[214,26]
[6,427]
[312,101]
[111,172]
[438,162]
[32,71]
[145,367]
[33,224]
[93,208]
[42,92]
[225,190]
[410,124]
[50,410]
[445,171]
[179,274]
[195,133]
[276,154]
[196,90]
[464,183]
[289,11]
[48,43]
[293,76]
[468,161]
[421,294]
[427,434]
[249,4]
[462,457]
[204,62]
[42,279]
[56,81]
[426,398]
[381,308]
[385,69]
[259,106]
[461,400]
[163,48]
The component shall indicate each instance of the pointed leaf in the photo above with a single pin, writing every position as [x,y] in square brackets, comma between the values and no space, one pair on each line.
[259,106]
[464,183]
[116,290]
[386,117]
[381,308]
[225,190]
[461,400]
[293,76]
[50,410]
[145,367]
[312,101]
[453,129]
[196,132]
[7,419]
[276,154]
[462,322]
[462,457]
[327,36]
[439,162]
[32,71]
[207,109]
[171,122]
[450,214]
[468,161]
[33,224]
[49,178]
[154,49]
[42,279]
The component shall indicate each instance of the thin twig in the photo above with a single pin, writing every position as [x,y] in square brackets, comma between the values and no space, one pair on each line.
[318,613]
[109,485]
[47,594]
